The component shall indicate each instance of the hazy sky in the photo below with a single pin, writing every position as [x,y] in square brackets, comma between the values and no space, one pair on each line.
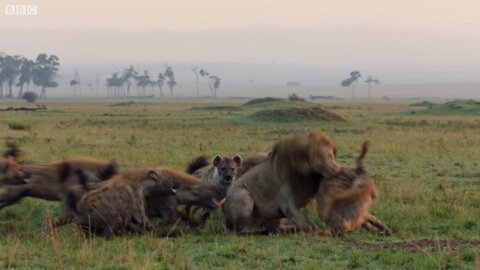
[422,39]
[460,16]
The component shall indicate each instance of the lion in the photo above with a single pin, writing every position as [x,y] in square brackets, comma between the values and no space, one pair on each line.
[286,182]
[221,174]
[51,181]
[117,206]
[250,162]
[282,185]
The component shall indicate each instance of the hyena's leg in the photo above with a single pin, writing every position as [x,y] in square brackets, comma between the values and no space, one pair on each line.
[238,209]
[374,224]
[12,194]
[65,217]
[139,221]
[205,215]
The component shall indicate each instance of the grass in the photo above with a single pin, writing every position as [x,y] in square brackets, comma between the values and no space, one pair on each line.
[19,126]
[456,107]
[426,168]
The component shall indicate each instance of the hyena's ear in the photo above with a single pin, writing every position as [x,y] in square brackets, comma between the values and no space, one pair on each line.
[12,153]
[108,171]
[152,174]
[217,159]
[238,160]
[64,171]
[361,158]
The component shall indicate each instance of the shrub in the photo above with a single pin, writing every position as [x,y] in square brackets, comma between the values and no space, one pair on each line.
[19,126]
[30,97]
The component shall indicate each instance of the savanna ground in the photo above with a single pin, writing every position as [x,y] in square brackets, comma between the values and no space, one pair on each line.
[427,169]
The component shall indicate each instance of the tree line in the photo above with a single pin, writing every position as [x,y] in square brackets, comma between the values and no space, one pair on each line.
[119,84]
[19,71]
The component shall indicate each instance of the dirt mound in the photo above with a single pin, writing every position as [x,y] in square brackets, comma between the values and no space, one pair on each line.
[218,108]
[424,103]
[456,107]
[263,101]
[294,114]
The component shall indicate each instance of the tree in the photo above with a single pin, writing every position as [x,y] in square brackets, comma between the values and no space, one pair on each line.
[74,83]
[44,72]
[205,74]
[371,80]
[115,83]
[214,84]
[2,74]
[352,80]
[98,80]
[170,75]
[143,81]
[195,70]
[25,75]
[160,82]
[10,70]
[129,74]
[30,97]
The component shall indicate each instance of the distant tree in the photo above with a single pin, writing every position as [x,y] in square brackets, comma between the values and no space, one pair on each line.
[30,97]
[369,81]
[143,81]
[10,70]
[214,84]
[114,83]
[206,75]
[352,80]
[44,72]
[170,75]
[195,71]
[129,74]
[3,77]
[160,82]
[75,83]
[98,80]
[26,75]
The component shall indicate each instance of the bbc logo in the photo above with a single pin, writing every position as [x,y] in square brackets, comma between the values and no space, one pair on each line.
[21,10]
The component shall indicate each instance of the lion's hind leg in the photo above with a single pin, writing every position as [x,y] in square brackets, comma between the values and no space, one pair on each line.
[238,209]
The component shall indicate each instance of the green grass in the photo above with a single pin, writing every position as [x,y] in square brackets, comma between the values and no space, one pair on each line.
[426,168]
[19,126]
[456,107]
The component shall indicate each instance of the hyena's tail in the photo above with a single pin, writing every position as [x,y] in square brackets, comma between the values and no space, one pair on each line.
[197,163]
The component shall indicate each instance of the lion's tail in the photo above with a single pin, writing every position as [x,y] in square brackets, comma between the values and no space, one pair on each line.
[197,163]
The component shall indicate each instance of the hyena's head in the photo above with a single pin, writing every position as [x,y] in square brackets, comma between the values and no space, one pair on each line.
[10,172]
[227,168]
[201,194]
[157,183]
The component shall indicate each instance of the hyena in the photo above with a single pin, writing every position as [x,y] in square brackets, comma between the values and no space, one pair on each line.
[118,205]
[51,181]
[221,174]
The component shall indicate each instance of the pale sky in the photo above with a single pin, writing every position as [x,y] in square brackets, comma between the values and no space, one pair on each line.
[427,40]
[460,16]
